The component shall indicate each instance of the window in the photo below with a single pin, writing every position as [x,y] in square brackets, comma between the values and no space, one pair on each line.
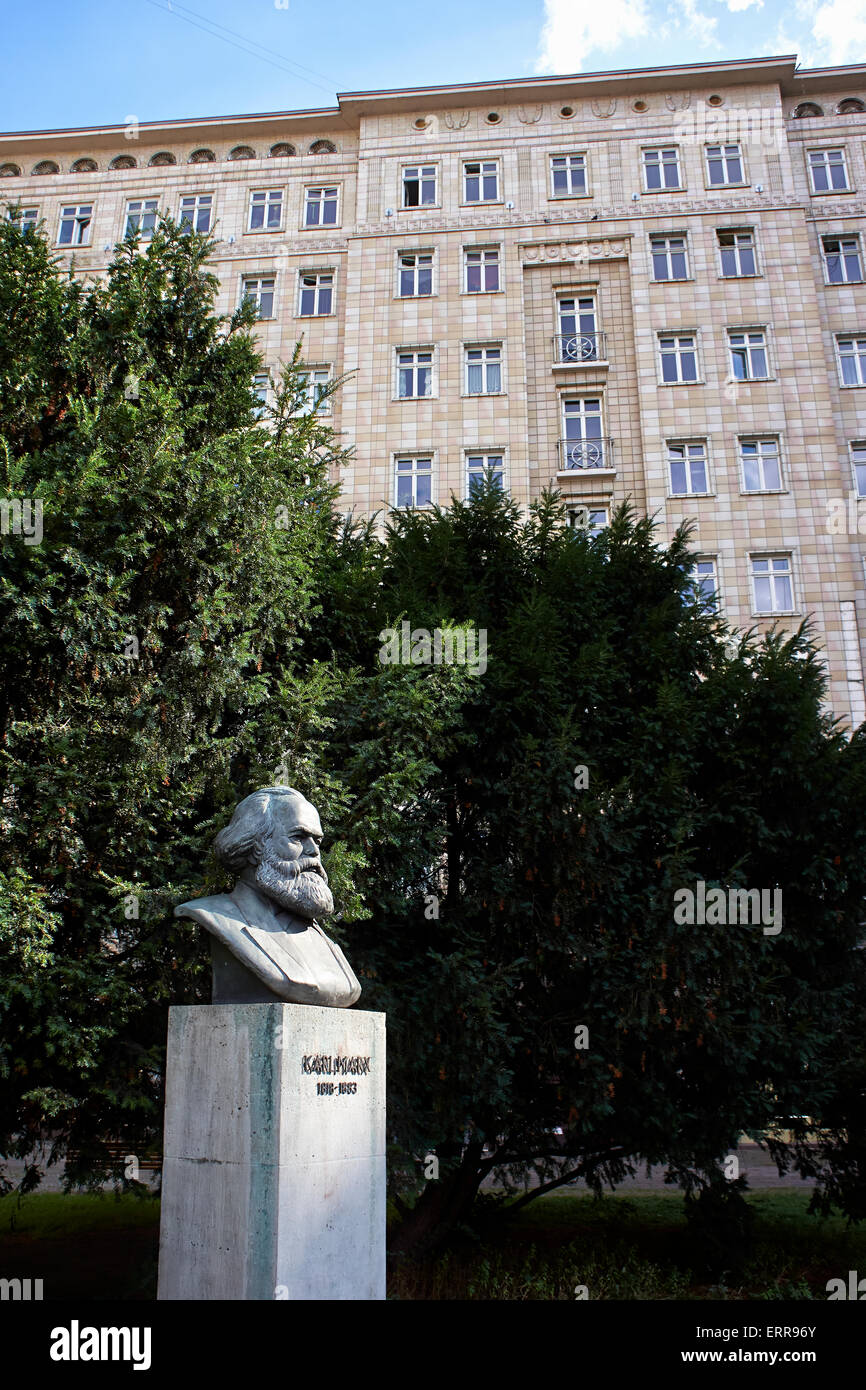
[578,337]
[724,165]
[484,370]
[481,182]
[661,169]
[852,360]
[842,260]
[583,445]
[414,373]
[75,225]
[706,583]
[414,274]
[737,253]
[568,175]
[419,186]
[413,482]
[759,460]
[679,357]
[482,270]
[669,258]
[592,520]
[827,170]
[141,214]
[266,209]
[687,465]
[315,380]
[748,355]
[259,290]
[858,462]
[773,583]
[320,207]
[195,212]
[261,390]
[481,466]
[25,219]
[316,296]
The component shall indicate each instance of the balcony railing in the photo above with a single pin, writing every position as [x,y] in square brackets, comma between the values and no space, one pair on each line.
[585,453]
[580,347]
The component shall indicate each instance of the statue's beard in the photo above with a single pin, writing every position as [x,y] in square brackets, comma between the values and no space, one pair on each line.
[298,885]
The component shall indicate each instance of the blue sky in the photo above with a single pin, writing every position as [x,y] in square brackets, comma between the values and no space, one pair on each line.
[102,61]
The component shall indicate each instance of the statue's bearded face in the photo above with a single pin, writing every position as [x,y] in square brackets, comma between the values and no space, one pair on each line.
[298,885]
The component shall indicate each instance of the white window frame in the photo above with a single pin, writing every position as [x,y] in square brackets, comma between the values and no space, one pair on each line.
[27,219]
[418,353]
[698,580]
[737,251]
[770,556]
[858,356]
[311,372]
[307,272]
[484,366]
[415,458]
[843,238]
[826,165]
[80,216]
[486,455]
[593,528]
[687,445]
[669,253]
[570,170]
[482,251]
[146,208]
[320,205]
[760,459]
[267,197]
[749,348]
[678,336]
[661,163]
[201,202]
[484,167]
[724,147]
[415,271]
[420,166]
[262,379]
[604,461]
[856,446]
[266,284]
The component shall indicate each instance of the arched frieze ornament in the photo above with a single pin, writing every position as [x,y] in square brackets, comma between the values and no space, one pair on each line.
[530,115]
[164,157]
[202,157]
[84,166]
[602,107]
[9,171]
[242,152]
[122,161]
[456,120]
[678,101]
[47,166]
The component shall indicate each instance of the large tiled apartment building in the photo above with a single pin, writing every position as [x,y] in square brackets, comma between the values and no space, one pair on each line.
[645,285]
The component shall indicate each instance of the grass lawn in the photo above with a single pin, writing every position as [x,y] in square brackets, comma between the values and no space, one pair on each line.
[634,1247]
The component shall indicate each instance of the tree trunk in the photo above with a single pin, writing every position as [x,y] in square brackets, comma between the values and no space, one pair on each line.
[443,1203]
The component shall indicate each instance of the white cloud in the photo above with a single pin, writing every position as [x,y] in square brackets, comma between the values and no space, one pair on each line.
[575,28]
[839,27]
[698,26]
[735,5]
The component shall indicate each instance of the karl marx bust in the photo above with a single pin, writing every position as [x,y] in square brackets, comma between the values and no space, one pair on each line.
[266,943]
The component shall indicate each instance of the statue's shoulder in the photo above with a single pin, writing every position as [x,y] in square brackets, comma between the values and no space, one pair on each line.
[209,910]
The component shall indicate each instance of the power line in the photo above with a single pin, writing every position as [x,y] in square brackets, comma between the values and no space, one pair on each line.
[265,55]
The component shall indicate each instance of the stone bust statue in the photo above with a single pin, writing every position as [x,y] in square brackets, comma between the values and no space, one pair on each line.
[266,942]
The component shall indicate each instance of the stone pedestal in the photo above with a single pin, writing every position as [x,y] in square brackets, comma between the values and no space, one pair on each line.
[274,1164]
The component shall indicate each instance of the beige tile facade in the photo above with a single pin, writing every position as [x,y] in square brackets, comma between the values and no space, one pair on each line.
[598,383]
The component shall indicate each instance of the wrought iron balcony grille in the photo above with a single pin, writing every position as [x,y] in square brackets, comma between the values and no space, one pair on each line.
[585,453]
[580,347]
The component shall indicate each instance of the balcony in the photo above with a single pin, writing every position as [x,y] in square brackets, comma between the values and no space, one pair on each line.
[593,454]
[580,349]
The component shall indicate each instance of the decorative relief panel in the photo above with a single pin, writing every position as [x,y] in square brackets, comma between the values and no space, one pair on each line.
[530,115]
[456,120]
[543,252]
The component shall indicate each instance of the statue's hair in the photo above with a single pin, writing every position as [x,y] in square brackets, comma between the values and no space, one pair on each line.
[242,841]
